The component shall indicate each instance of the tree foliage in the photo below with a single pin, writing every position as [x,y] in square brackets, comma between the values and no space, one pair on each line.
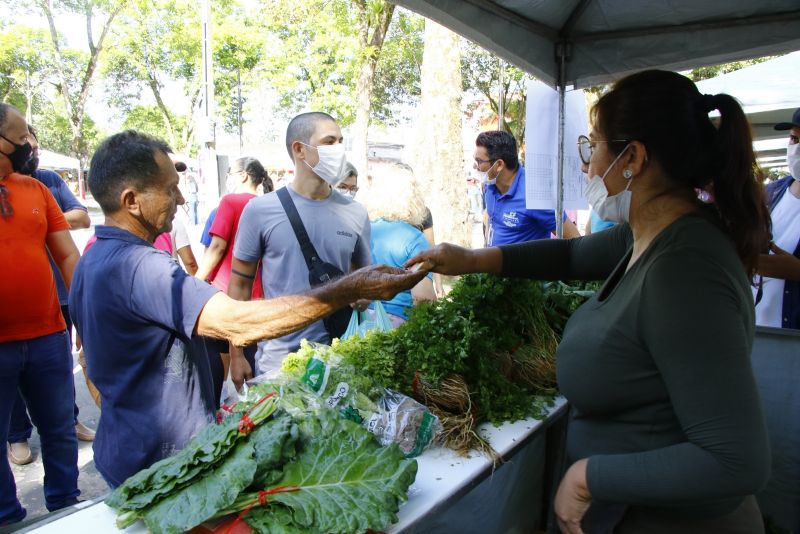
[704,73]
[25,65]
[481,72]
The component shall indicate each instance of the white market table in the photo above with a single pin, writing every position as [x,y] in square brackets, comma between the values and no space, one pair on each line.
[450,494]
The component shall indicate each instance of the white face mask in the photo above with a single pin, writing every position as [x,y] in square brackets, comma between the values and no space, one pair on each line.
[614,208]
[793,160]
[331,162]
[484,176]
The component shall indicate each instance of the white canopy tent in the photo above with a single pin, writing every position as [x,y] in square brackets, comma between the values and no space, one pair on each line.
[769,94]
[588,42]
[53,160]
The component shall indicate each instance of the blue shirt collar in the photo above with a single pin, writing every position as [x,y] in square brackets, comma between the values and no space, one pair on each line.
[512,191]
[112,232]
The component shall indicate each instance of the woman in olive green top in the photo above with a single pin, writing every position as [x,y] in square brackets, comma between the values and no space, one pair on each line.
[666,428]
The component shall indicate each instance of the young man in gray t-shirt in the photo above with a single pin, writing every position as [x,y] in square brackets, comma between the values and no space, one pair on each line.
[338,228]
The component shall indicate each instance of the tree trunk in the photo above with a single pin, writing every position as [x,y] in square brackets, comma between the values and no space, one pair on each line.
[371,35]
[439,154]
[154,87]
[76,108]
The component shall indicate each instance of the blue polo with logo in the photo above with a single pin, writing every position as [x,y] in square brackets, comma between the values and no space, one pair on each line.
[510,221]
[135,310]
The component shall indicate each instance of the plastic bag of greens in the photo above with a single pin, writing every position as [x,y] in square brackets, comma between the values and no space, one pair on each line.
[402,420]
[393,417]
[374,318]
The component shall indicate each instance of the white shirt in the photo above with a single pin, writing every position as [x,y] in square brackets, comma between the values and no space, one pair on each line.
[785,235]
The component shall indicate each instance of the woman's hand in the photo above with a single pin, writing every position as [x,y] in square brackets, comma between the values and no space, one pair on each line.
[445,259]
[573,498]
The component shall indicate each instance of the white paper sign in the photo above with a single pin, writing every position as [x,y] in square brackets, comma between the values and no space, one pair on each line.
[541,148]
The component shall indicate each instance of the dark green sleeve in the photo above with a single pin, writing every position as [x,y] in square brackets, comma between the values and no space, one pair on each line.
[592,257]
[695,318]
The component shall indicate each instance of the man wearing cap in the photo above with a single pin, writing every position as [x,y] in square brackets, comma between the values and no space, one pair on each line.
[141,316]
[778,300]
[35,355]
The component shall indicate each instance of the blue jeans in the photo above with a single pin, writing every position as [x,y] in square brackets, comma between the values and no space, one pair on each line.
[41,370]
[20,428]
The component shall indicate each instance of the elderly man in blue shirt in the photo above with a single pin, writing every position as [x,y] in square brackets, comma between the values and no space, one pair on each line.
[140,314]
[496,157]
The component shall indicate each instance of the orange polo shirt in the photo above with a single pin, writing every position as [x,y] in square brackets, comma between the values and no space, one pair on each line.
[28,298]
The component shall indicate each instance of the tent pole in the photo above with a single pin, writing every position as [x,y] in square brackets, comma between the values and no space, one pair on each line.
[561,57]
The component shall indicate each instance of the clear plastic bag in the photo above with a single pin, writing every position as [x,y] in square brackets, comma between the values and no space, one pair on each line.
[402,420]
[371,319]
[392,417]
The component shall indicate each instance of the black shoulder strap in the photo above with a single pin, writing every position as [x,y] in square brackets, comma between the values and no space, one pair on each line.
[309,252]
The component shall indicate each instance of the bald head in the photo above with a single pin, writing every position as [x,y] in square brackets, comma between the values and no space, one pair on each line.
[14,136]
[303,126]
[9,117]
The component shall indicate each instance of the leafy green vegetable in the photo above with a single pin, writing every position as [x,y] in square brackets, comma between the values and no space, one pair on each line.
[346,483]
[198,502]
[209,447]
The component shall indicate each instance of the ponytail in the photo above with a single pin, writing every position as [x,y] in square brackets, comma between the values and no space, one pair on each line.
[738,188]
[268,186]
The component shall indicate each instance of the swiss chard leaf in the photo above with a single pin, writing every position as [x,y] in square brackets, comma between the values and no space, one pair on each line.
[198,502]
[347,483]
[209,447]
[148,485]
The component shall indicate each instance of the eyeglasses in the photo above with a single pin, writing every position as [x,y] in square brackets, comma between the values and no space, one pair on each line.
[6,210]
[353,189]
[586,146]
[479,162]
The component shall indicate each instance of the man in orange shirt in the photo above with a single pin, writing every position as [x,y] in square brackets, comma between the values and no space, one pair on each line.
[34,348]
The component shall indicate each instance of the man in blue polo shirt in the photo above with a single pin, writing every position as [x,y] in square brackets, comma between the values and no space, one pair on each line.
[140,314]
[496,157]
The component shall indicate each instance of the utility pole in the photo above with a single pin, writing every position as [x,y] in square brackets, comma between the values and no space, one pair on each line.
[207,137]
[239,104]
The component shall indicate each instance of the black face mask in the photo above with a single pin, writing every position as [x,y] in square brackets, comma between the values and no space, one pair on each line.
[31,166]
[19,156]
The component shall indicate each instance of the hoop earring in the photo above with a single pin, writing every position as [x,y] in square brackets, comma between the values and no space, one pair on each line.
[627,174]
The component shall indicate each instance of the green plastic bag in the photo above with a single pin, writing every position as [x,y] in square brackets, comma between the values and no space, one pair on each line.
[371,319]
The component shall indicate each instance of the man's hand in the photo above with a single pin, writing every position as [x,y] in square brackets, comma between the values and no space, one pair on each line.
[572,498]
[240,369]
[360,304]
[780,264]
[381,282]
